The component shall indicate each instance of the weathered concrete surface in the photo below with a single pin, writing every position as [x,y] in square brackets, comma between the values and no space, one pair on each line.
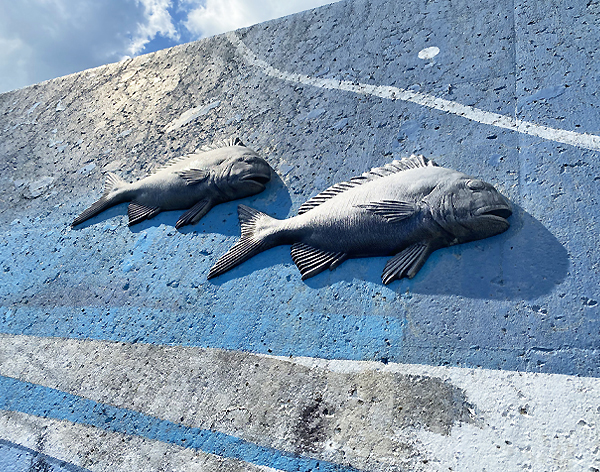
[97,450]
[324,95]
[366,415]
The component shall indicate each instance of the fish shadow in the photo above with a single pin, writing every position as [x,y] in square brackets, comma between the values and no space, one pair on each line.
[265,260]
[119,213]
[525,262]
[223,219]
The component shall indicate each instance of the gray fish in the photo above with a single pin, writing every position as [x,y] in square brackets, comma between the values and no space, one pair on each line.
[222,172]
[408,208]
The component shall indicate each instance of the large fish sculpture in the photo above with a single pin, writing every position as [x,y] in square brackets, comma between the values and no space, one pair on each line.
[407,208]
[219,173]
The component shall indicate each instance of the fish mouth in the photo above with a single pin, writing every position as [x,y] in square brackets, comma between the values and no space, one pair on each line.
[260,179]
[495,211]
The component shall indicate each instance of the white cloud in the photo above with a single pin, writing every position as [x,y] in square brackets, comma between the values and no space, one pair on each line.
[14,55]
[157,21]
[50,38]
[211,17]
[43,39]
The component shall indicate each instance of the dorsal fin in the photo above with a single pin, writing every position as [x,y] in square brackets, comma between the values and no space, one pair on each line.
[232,141]
[113,181]
[393,167]
[171,162]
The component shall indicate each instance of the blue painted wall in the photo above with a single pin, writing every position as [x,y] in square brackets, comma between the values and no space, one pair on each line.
[525,300]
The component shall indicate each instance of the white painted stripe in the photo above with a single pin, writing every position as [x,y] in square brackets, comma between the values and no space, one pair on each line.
[582,140]
[191,115]
[101,451]
[377,415]
[526,421]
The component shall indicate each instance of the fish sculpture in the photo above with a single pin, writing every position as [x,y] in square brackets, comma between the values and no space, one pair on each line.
[225,171]
[407,208]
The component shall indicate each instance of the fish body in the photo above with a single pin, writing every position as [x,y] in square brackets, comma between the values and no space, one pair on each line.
[408,208]
[223,172]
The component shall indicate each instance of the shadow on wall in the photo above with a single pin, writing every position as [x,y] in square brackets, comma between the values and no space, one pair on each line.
[14,457]
[523,263]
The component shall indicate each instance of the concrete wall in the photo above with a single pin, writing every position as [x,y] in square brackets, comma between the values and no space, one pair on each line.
[118,354]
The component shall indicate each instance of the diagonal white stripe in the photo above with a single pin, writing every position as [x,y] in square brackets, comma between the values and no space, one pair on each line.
[100,451]
[582,140]
[365,414]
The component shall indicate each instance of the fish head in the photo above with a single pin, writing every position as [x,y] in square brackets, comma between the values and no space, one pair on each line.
[469,208]
[244,175]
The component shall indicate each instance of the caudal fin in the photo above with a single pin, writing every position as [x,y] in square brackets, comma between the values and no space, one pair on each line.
[257,227]
[108,199]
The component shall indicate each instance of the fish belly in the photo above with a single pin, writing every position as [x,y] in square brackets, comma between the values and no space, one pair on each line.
[342,224]
[168,192]
[355,232]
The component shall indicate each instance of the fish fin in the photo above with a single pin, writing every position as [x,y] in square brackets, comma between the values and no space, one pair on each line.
[393,167]
[112,184]
[338,261]
[311,261]
[138,212]
[193,215]
[193,176]
[406,263]
[96,207]
[231,141]
[392,211]
[252,241]
[171,162]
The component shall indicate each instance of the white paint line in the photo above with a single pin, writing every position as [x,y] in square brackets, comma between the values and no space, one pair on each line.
[191,115]
[99,451]
[382,415]
[582,140]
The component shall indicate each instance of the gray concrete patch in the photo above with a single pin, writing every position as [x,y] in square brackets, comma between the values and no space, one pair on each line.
[345,418]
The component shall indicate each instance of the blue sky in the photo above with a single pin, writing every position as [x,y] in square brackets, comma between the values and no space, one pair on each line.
[43,39]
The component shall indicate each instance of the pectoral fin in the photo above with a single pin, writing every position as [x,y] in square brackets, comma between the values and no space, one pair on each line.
[194,214]
[392,210]
[311,261]
[406,263]
[138,212]
[193,176]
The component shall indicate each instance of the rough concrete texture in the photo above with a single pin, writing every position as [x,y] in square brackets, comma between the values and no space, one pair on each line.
[117,352]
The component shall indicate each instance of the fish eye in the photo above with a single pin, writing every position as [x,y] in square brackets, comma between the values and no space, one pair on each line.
[475,184]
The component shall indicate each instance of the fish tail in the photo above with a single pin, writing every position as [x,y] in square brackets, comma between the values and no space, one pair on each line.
[112,196]
[258,234]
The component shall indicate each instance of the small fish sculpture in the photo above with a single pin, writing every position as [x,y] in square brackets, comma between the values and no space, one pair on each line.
[219,173]
[407,208]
